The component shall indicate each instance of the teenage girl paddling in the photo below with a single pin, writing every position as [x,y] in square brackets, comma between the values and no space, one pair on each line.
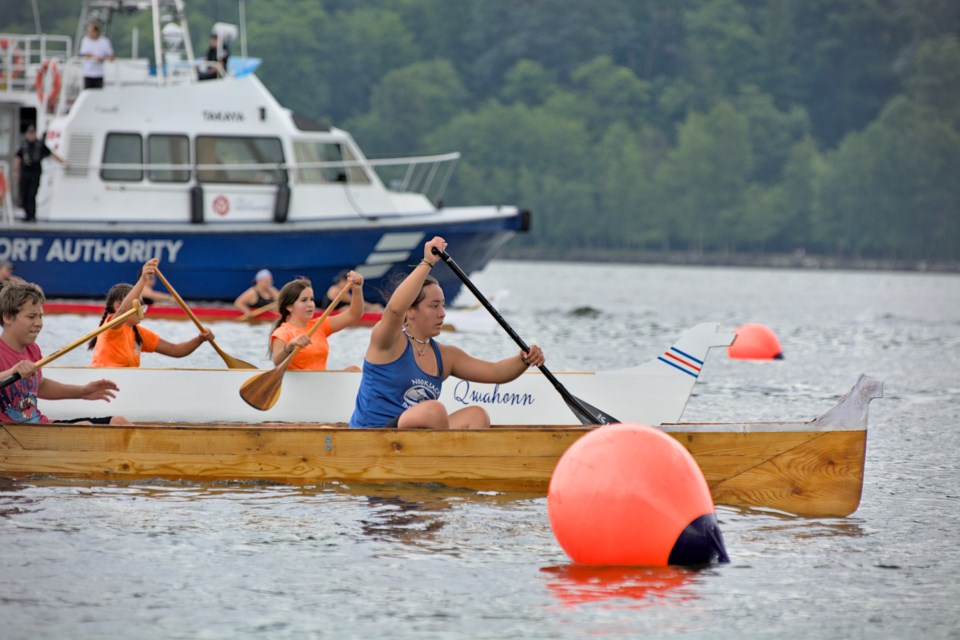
[405,367]
[297,305]
[122,345]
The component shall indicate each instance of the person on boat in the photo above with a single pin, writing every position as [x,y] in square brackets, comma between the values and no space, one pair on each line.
[296,305]
[27,169]
[404,366]
[261,294]
[94,49]
[21,314]
[217,57]
[6,271]
[339,282]
[122,345]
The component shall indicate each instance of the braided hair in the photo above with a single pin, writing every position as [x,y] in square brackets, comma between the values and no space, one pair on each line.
[114,297]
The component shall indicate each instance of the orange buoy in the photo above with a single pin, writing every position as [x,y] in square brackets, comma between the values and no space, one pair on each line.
[755,342]
[630,495]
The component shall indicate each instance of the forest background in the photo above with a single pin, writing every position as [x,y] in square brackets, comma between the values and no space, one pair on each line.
[637,128]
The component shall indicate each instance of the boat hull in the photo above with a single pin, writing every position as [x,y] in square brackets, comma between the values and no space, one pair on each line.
[652,393]
[810,468]
[216,262]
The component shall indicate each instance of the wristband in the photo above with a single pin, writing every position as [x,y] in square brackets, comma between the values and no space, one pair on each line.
[426,262]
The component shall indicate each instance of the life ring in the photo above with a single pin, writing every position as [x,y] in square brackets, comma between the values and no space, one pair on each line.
[54,69]
[17,59]
[3,185]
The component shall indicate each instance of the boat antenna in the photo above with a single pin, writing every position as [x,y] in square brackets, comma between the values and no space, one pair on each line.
[243,29]
[36,17]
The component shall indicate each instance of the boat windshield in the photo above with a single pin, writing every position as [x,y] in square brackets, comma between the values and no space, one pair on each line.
[325,162]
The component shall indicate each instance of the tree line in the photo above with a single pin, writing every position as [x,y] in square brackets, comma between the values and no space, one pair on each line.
[827,126]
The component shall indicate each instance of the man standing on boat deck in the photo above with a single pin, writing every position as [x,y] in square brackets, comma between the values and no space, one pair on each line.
[94,49]
[27,167]
[218,55]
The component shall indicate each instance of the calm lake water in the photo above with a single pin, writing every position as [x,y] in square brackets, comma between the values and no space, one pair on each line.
[227,560]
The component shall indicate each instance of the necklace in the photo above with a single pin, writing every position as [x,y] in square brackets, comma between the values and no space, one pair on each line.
[421,349]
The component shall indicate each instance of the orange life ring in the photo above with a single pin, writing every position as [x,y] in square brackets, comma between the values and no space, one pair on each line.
[17,60]
[50,65]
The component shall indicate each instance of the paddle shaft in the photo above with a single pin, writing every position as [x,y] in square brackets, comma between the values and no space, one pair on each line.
[231,362]
[580,408]
[267,307]
[137,310]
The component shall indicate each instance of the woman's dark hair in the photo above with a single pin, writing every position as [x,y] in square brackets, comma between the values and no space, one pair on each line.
[288,295]
[114,297]
[395,280]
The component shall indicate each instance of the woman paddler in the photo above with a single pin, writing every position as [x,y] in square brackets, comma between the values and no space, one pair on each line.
[405,367]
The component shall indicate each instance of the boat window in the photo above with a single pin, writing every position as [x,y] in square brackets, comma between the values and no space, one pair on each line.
[221,159]
[123,148]
[307,152]
[169,150]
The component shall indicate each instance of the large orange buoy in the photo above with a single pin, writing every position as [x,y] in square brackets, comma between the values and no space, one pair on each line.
[630,495]
[755,342]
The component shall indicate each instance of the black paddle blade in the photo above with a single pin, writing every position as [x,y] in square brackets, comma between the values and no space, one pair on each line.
[588,414]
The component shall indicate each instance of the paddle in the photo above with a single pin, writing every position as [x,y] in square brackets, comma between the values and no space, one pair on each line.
[586,413]
[255,312]
[263,390]
[231,362]
[136,310]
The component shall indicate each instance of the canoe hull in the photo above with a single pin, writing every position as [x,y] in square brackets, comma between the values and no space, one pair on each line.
[807,468]
[652,393]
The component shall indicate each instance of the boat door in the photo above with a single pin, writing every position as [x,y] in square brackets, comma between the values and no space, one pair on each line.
[240,179]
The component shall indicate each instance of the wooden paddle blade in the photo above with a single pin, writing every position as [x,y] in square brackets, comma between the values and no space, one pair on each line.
[263,390]
[230,361]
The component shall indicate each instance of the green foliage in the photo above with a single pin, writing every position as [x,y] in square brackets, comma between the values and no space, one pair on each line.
[700,125]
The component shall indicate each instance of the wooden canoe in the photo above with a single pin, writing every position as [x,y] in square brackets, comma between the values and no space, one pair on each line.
[810,468]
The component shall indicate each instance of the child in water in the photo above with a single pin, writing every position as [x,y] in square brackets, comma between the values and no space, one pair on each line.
[122,345]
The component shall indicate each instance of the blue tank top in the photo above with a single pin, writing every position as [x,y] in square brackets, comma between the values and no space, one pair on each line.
[387,390]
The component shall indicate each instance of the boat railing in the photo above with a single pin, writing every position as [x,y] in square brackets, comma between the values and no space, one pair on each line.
[426,175]
[24,58]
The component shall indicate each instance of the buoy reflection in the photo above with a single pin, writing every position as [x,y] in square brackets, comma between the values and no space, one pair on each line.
[636,587]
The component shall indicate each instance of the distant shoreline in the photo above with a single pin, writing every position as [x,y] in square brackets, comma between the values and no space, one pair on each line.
[764,260]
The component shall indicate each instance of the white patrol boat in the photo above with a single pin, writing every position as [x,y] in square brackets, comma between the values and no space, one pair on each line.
[215,178]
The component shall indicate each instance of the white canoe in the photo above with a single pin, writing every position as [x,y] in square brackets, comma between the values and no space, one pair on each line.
[654,392]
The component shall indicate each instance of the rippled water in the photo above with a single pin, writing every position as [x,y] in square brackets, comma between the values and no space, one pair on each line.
[226,560]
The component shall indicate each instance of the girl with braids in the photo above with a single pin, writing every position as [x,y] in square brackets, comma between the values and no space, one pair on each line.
[405,367]
[297,305]
[122,345]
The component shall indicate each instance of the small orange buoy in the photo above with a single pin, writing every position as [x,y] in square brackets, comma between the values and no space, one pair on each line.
[630,495]
[755,342]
